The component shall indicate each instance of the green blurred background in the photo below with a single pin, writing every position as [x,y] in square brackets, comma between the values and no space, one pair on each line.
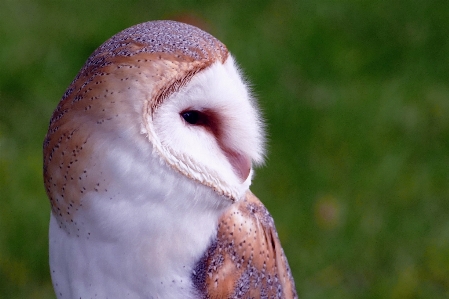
[356,97]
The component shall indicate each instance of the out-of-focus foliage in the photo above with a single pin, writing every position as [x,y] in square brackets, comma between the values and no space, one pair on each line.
[356,97]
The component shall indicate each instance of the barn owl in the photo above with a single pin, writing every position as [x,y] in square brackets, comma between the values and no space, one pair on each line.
[148,161]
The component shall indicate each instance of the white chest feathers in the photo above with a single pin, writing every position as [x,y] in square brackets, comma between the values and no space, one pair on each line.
[141,236]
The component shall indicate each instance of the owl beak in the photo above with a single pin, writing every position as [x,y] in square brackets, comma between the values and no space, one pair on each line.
[241,164]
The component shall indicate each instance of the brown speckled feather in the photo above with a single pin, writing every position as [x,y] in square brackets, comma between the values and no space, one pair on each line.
[246,259]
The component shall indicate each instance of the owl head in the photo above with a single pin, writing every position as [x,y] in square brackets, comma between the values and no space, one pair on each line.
[162,87]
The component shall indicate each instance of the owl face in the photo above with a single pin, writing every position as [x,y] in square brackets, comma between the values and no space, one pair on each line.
[210,130]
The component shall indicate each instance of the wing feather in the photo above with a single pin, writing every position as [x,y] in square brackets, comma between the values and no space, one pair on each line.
[246,259]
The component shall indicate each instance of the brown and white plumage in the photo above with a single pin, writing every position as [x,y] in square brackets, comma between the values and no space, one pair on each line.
[246,260]
[147,165]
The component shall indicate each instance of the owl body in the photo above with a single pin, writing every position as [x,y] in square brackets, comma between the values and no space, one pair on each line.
[147,165]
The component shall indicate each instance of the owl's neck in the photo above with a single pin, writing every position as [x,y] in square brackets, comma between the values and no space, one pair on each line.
[139,235]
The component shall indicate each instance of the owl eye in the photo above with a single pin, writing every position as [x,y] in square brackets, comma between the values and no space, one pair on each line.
[192,116]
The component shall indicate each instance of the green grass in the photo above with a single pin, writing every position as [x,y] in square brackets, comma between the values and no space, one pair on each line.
[356,97]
